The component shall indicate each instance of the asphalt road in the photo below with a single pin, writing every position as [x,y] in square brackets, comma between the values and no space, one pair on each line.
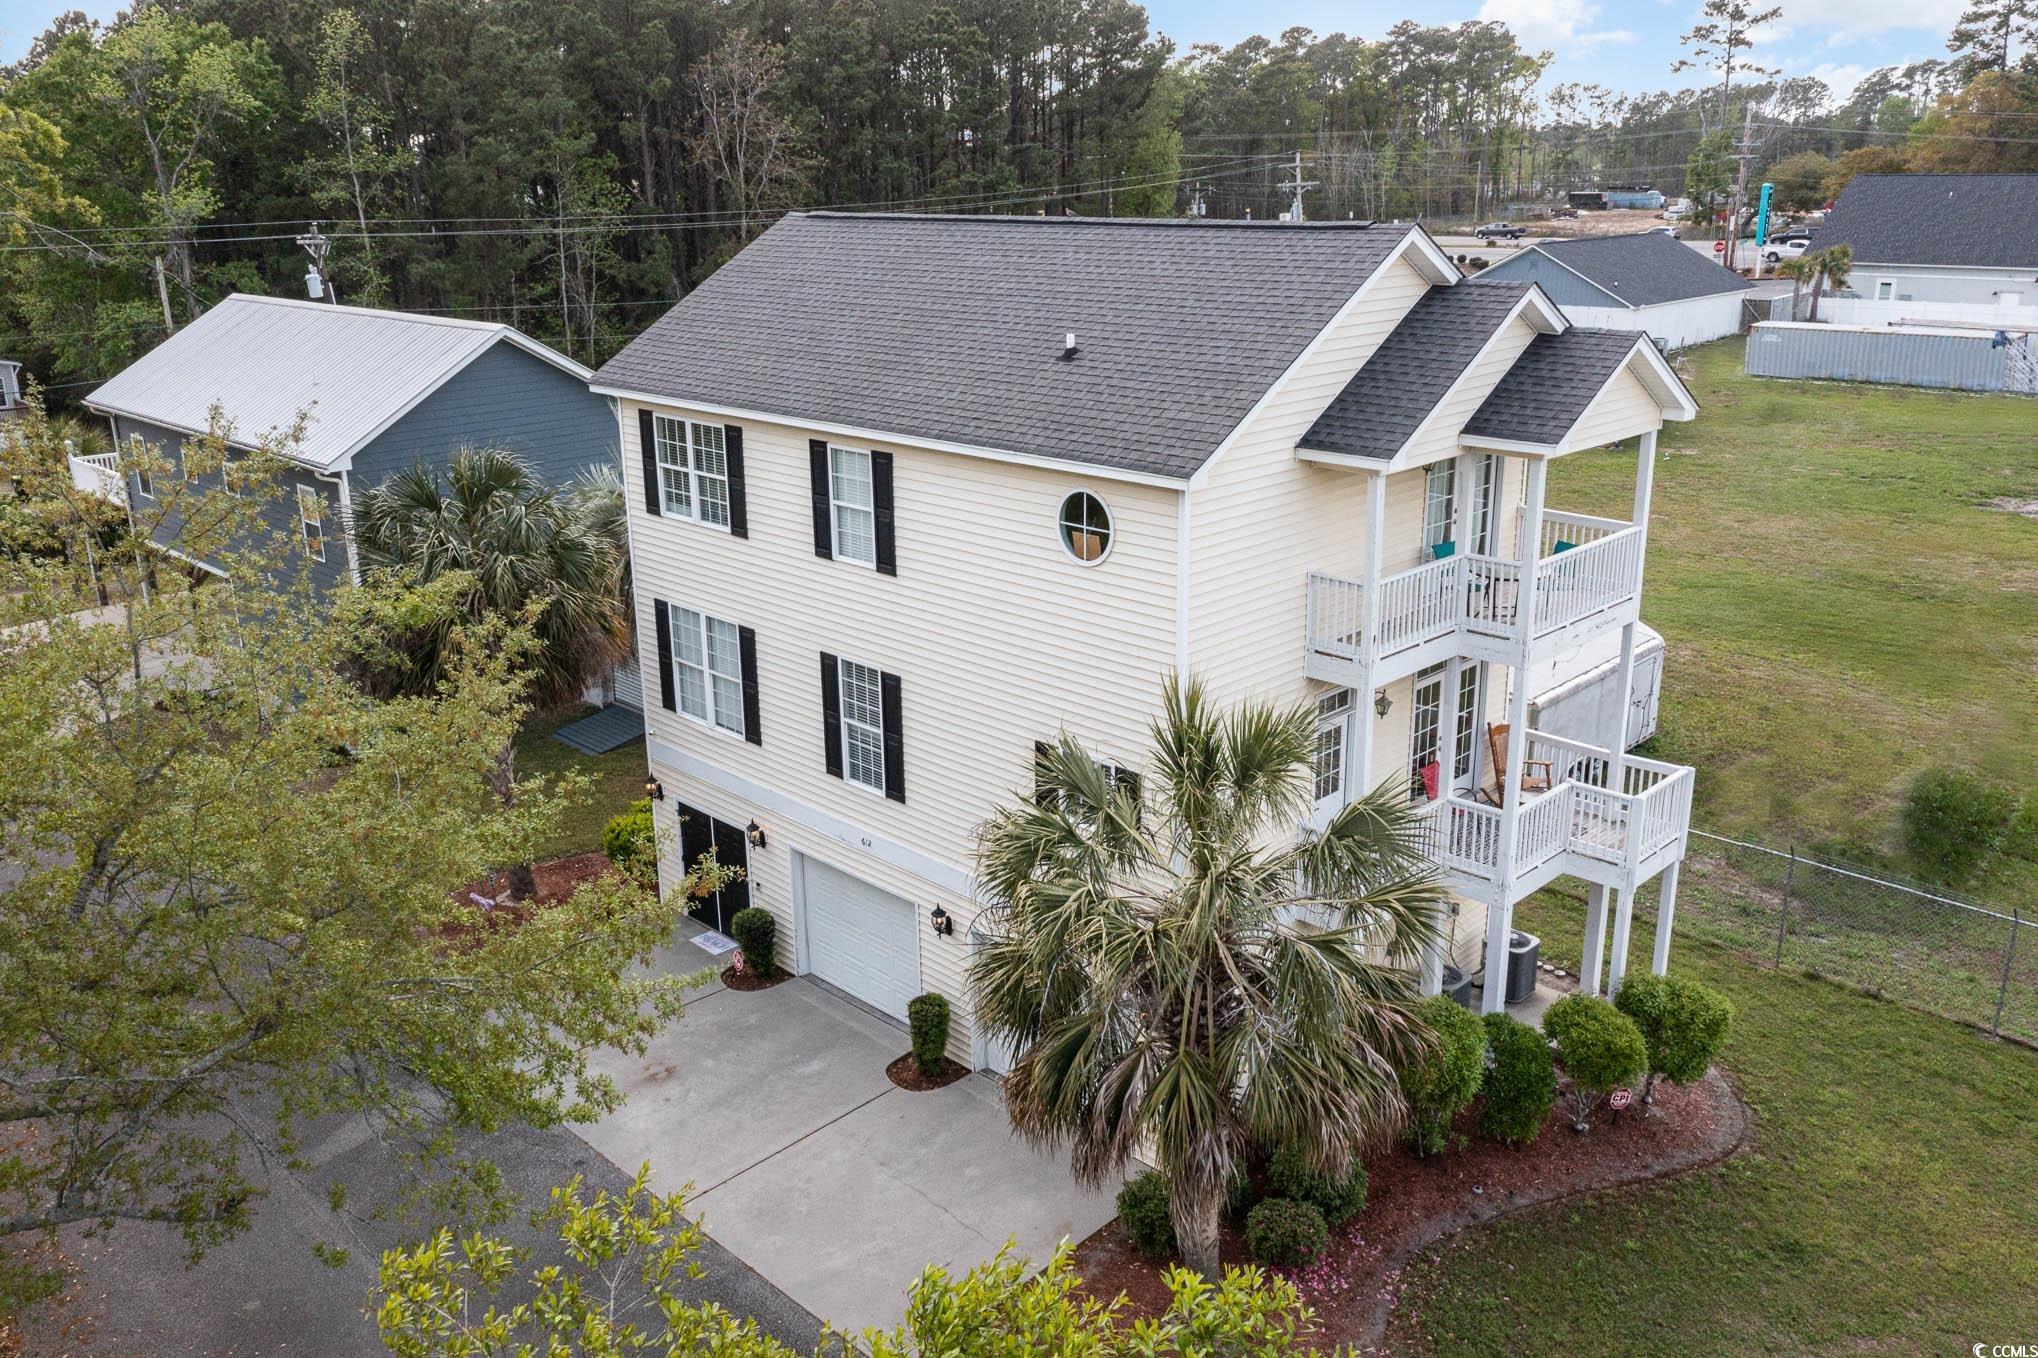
[263,1294]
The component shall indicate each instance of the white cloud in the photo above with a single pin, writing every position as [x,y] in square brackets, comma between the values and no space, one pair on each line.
[1851,19]
[1560,25]
[1840,78]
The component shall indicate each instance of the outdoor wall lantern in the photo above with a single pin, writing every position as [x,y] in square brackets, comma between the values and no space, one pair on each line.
[1382,704]
[654,789]
[755,834]
[942,923]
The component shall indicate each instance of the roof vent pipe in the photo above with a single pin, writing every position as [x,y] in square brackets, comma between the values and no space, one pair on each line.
[1068,345]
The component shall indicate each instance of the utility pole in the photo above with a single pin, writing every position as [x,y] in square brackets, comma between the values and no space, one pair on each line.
[1744,151]
[1295,186]
[1197,207]
[163,296]
[318,283]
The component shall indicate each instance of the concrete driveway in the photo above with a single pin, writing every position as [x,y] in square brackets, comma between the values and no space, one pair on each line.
[809,1165]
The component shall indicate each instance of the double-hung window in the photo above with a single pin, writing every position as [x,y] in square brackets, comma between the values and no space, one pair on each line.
[311,520]
[707,668]
[1438,502]
[1485,484]
[863,725]
[852,504]
[1469,712]
[693,470]
[1333,721]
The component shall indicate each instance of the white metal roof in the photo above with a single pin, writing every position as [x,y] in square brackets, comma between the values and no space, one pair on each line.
[352,371]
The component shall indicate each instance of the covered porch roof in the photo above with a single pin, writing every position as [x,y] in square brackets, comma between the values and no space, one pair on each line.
[1579,389]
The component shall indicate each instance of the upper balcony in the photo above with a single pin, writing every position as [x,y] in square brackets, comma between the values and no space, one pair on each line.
[99,474]
[1588,577]
[1573,820]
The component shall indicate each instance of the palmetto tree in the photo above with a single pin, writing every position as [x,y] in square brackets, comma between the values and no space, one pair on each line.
[1797,269]
[526,547]
[1830,268]
[1143,956]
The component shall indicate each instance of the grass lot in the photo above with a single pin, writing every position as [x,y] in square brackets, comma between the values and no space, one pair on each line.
[617,780]
[1889,1203]
[1840,608]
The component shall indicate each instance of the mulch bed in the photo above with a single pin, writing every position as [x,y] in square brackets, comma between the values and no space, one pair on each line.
[733,979]
[554,881]
[905,1073]
[1412,1203]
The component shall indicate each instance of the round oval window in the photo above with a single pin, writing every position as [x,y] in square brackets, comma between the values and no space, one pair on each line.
[1085,527]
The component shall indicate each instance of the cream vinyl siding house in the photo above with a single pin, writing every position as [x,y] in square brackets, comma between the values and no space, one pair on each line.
[1266,413]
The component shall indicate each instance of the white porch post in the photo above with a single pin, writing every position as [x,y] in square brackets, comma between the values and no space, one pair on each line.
[1500,913]
[1366,718]
[1623,918]
[1595,940]
[1666,913]
[1645,481]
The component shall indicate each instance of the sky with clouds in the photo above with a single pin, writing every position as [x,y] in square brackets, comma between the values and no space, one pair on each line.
[1625,44]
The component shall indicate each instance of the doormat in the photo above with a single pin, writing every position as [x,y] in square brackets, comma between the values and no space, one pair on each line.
[714,944]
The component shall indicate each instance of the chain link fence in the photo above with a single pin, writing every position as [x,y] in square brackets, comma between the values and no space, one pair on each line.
[1895,940]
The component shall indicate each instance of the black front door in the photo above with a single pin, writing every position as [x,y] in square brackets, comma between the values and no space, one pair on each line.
[700,833]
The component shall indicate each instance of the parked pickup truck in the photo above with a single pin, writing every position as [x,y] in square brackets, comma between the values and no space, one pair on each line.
[1500,231]
[1785,247]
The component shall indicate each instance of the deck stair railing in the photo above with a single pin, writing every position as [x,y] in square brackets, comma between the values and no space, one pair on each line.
[99,474]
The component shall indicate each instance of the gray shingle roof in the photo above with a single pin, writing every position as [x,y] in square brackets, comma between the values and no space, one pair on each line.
[951,328]
[1646,269]
[1978,220]
[1409,373]
[1552,382]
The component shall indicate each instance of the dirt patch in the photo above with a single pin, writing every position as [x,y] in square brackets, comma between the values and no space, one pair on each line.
[2010,504]
[733,979]
[905,1073]
[552,882]
[1412,1203]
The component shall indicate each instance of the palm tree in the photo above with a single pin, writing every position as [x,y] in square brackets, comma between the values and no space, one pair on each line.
[525,546]
[1829,270]
[1797,269]
[1141,952]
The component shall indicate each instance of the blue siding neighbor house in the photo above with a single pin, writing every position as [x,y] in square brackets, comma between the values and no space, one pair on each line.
[377,390]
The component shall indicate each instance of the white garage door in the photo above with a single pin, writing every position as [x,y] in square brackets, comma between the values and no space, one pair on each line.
[860,938]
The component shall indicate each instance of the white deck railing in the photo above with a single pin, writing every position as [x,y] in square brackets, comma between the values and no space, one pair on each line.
[1580,816]
[99,474]
[1600,569]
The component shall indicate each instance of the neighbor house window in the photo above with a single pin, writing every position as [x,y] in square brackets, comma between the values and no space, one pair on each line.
[693,469]
[1425,733]
[229,480]
[1438,502]
[707,668]
[1085,527]
[863,725]
[854,508]
[311,518]
[1333,718]
[1885,290]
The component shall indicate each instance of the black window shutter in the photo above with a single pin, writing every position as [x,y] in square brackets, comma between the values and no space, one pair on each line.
[881,499]
[647,439]
[1042,751]
[895,737]
[1128,783]
[666,695]
[817,469]
[739,500]
[746,644]
[831,713]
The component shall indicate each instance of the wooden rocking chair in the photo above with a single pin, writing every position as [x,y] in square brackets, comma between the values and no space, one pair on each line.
[1537,775]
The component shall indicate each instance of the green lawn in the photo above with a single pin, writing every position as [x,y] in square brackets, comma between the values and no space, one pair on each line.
[1840,607]
[1889,1203]
[617,779]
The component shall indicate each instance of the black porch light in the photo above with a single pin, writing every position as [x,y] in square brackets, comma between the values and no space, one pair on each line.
[654,789]
[1382,704]
[942,923]
[755,834]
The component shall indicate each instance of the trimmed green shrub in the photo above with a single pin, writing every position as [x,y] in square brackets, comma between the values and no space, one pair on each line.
[1281,1233]
[1143,1208]
[756,932]
[1336,1199]
[1521,1081]
[1599,1047]
[1445,1079]
[1684,1024]
[1953,822]
[631,840]
[927,1016]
